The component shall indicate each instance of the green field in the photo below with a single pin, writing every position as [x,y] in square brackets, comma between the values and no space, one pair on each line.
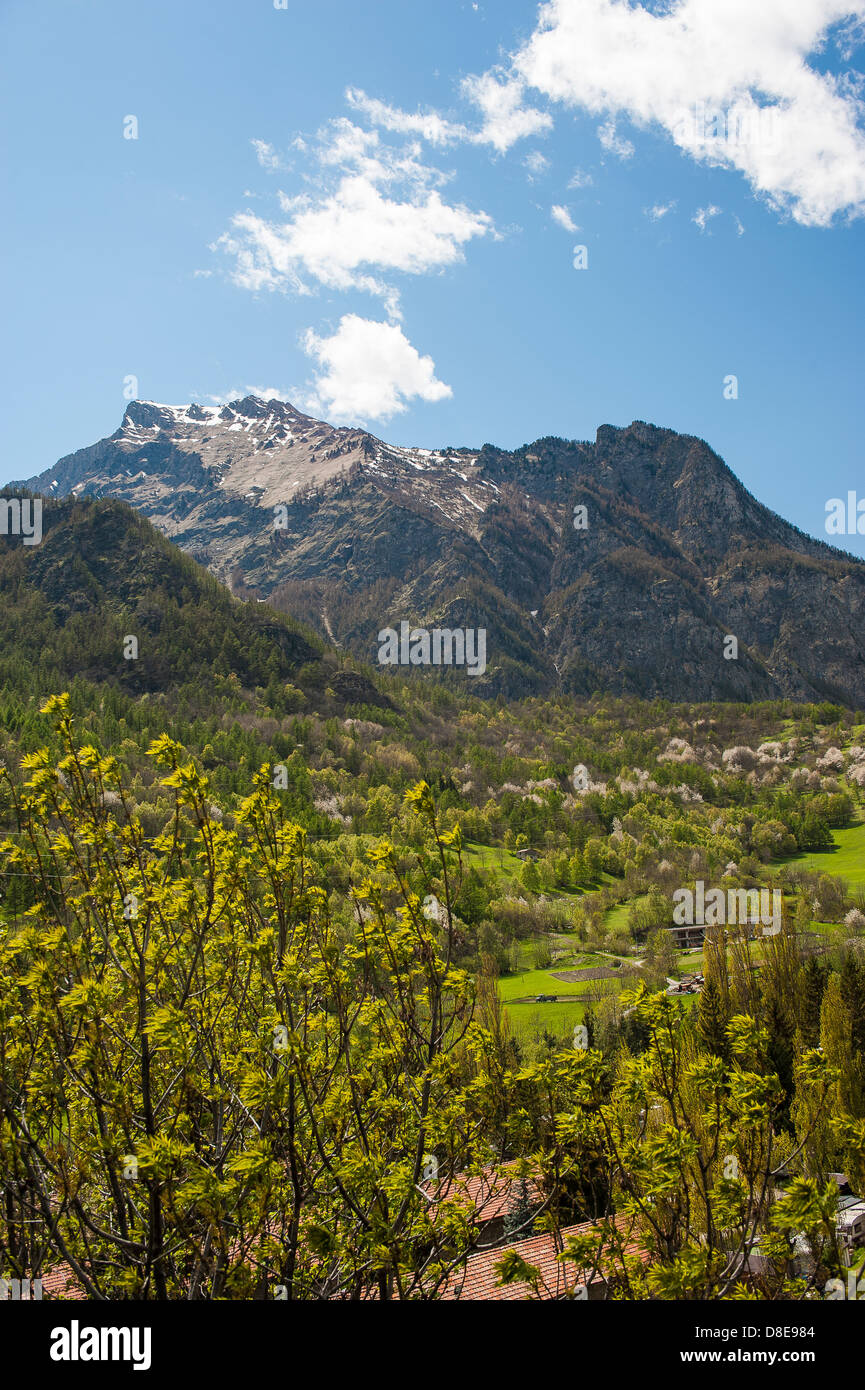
[561,944]
[555,1018]
[617,918]
[529,1017]
[532,982]
[847,860]
[508,866]
[501,861]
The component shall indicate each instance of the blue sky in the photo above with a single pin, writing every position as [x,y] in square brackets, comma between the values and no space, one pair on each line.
[285,222]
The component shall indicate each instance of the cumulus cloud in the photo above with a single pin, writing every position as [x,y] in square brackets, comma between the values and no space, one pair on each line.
[376,212]
[369,371]
[561,215]
[613,142]
[659,210]
[265,154]
[430,125]
[238,393]
[499,97]
[729,82]
[536,163]
[703,216]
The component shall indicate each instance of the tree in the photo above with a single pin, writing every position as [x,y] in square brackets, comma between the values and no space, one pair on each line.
[853,994]
[518,1217]
[815,832]
[530,876]
[690,1153]
[472,900]
[779,1028]
[210,1086]
[812,985]
[712,1020]
[836,1040]
[661,952]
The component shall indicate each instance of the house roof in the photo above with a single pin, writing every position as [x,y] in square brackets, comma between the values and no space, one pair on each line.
[492,1193]
[479,1279]
[60,1282]
[851,1214]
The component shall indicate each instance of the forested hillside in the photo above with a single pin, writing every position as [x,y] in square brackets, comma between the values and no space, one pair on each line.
[295,962]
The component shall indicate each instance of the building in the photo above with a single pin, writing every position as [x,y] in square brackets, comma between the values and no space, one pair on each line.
[850,1224]
[560,1279]
[685,937]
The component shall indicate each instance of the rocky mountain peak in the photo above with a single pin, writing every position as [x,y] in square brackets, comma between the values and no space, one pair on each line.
[352,534]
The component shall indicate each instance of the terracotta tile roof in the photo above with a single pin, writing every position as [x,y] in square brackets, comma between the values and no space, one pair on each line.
[60,1282]
[476,1282]
[492,1193]
[479,1279]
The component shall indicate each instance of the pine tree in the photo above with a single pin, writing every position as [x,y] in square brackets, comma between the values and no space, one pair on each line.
[853,994]
[836,1040]
[518,1218]
[712,1020]
[812,985]
[780,1053]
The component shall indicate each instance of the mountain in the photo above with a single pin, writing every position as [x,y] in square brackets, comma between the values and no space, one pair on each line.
[352,535]
[102,575]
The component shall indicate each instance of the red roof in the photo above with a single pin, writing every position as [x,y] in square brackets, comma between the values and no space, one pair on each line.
[491,1193]
[60,1282]
[479,1279]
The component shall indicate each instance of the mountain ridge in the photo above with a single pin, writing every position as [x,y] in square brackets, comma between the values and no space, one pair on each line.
[351,535]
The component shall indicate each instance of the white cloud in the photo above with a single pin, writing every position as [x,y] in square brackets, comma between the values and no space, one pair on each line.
[369,371]
[499,97]
[536,163]
[672,66]
[429,125]
[613,142]
[740,230]
[266,393]
[580,179]
[703,216]
[659,210]
[239,393]
[265,154]
[506,120]
[561,215]
[376,212]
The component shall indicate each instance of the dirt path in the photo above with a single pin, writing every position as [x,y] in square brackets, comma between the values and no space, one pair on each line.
[328,629]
